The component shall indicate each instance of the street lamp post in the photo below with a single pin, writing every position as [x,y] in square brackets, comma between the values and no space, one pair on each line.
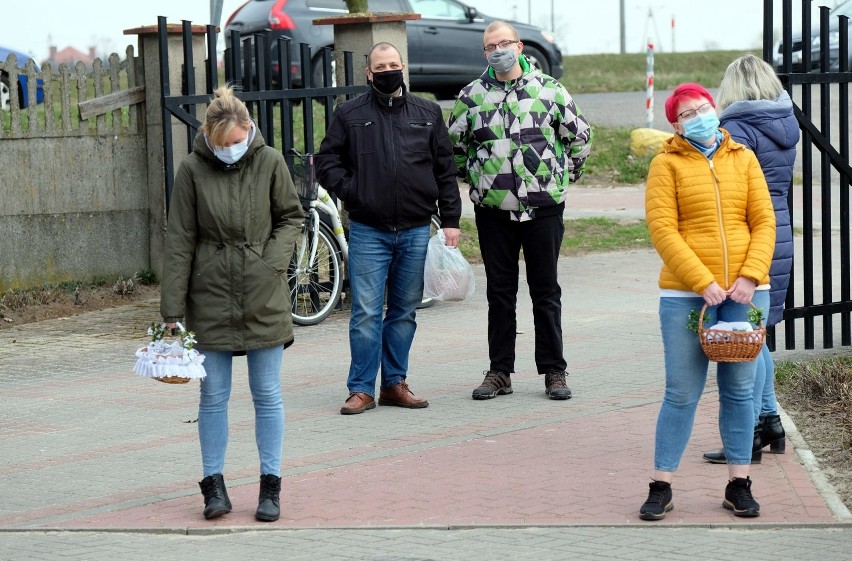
[552,17]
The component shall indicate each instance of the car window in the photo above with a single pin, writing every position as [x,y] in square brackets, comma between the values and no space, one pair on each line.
[374,5]
[437,9]
[843,10]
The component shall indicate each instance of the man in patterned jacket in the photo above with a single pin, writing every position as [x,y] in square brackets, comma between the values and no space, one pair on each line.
[519,140]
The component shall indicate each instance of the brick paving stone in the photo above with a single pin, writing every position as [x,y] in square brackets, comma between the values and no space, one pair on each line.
[99,463]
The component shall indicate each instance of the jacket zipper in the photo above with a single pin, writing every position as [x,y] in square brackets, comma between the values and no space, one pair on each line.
[721,221]
[393,162]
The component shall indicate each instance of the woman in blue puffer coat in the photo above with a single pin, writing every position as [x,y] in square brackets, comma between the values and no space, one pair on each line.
[758,112]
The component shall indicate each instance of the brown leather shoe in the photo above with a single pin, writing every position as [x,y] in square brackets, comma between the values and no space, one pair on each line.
[357,402]
[401,396]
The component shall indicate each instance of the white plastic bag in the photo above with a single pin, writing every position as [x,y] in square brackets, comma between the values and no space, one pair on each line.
[447,275]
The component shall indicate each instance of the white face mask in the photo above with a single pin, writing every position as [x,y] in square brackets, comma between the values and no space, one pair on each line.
[231,154]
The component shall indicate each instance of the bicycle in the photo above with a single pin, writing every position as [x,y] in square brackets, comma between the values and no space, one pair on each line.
[315,274]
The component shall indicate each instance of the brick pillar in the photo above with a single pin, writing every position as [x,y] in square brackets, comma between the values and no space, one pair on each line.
[357,33]
[149,54]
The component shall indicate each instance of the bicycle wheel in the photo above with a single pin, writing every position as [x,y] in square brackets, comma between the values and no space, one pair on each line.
[315,284]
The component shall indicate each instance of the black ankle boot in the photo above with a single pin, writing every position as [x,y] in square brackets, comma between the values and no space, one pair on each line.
[719,457]
[216,501]
[268,506]
[773,434]
[757,444]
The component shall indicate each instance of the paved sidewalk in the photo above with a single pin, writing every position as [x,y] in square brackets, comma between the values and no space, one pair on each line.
[98,463]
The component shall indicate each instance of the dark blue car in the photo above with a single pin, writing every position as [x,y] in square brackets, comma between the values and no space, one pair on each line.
[23,84]
[444,45]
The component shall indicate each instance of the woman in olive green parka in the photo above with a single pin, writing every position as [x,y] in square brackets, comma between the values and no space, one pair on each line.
[233,220]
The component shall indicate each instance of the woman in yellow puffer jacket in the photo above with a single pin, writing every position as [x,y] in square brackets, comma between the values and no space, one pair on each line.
[711,221]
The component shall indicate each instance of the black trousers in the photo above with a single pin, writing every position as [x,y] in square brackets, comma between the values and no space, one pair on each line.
[500,241]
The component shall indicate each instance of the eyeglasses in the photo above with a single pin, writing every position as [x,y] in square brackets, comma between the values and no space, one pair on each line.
[690,113]
[501,45]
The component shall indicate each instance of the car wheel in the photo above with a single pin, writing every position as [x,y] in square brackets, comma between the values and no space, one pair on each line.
[537,59]
[5,93]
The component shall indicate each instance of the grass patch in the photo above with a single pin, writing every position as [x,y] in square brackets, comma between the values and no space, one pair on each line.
[822,387]
[19,298]
[611,160]
[583,235]
[589,235]
[626,72]
[829,380]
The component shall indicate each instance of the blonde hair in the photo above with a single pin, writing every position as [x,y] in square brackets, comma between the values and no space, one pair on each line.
[497,25]
[748,78]
[225,112]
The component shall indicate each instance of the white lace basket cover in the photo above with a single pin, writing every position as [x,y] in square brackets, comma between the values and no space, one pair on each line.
[161,359]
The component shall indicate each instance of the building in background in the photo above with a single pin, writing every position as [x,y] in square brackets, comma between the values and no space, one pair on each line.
[69,56]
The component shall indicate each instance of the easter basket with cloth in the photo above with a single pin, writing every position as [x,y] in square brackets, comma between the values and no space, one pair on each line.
[171,362]
[731,342]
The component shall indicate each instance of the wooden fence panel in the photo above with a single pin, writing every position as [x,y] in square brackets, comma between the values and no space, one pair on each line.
[67,90]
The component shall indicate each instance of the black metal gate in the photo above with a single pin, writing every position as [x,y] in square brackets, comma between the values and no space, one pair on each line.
[248,68]
[814,82]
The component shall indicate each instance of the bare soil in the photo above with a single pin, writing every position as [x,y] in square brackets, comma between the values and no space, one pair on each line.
[821,426]
[818,424]
[62,303]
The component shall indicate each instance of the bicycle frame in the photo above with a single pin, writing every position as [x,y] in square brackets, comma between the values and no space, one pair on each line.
[327,205]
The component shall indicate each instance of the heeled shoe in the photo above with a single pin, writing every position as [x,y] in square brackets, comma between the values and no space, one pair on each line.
[719,457]
[772,433]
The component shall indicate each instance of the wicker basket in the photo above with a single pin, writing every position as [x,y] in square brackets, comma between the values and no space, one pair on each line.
[305,179]
[173,380]
[730,346]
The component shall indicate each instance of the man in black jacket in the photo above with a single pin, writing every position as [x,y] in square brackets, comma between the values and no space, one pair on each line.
[387,156]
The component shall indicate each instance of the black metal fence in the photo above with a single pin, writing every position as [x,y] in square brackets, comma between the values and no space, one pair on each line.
[813,77]
[248,67]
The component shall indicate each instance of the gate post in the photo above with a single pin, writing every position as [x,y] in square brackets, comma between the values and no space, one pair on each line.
[357,33]
[149,54]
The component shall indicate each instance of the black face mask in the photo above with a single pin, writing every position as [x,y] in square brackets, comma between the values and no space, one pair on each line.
[387,82]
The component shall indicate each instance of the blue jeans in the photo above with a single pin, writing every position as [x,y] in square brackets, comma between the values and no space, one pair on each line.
[764,385]
[264,374]
[380,259]
[686,375]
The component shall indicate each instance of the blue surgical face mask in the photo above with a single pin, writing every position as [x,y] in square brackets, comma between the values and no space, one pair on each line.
[702,127]
[231,154]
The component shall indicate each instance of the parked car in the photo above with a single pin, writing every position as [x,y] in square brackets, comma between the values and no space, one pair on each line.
[23,86]
[444,46]
[844,9]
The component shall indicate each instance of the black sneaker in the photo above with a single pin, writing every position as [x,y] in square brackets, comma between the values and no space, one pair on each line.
[738,498]
[555,386]
[659,501]
[495,383]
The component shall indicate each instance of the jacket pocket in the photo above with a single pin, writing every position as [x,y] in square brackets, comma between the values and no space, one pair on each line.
[365,136]
[205,253]
[417,136]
